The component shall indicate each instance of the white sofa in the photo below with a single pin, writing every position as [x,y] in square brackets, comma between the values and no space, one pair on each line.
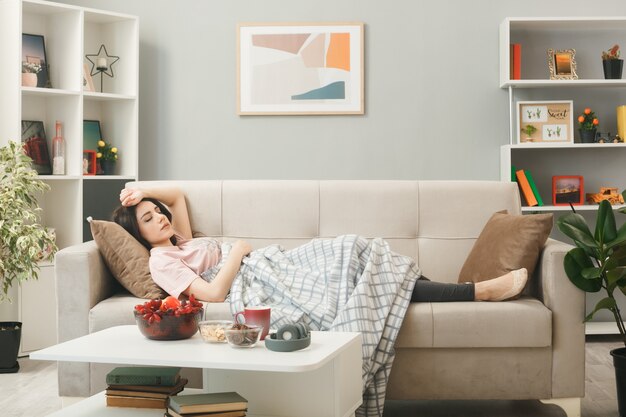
[531,348]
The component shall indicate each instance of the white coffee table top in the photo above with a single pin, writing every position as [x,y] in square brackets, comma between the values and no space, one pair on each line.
[126,345]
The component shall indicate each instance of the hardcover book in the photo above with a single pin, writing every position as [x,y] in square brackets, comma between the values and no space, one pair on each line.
[208,403]
[533,187]
[143,375]
[157,389]
[135,402]
[527,192]
[239,413]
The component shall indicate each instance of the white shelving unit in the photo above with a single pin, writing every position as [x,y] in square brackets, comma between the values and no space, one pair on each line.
[601,165]
[70,32]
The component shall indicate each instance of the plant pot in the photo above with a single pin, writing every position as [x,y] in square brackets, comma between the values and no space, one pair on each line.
[9,346]
[108,167]
[587,136]
[619,362]
[29,79]
[612,68]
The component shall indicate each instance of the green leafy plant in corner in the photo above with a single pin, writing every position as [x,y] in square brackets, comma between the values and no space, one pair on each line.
[24,242]
[598,263]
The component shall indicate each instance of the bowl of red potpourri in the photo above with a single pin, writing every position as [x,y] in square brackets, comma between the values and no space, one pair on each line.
[169,319]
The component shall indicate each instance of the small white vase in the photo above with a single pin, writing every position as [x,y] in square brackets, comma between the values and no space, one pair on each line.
[29,79]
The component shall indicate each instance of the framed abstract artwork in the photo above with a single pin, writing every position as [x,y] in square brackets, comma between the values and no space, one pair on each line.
[300,68]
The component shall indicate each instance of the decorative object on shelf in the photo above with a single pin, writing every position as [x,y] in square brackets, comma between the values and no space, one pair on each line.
[169,319]
[29,74]
[617,139]
[562,64]
[587,124]
[87,79]
[323,61]
[24,241]
[89,162]
[34,60]
[621,121]
[515,61]
[610,194]
[553,121]
[612,64]
[103,64]
[107,156]
[36,146]
[597,264]
[529,130]
[568,189]
[604,137]
[58,151]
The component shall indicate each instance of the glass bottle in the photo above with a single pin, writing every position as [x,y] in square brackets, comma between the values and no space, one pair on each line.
[58,151]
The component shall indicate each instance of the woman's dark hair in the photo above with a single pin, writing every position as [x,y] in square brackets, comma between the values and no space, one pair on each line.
[127,218]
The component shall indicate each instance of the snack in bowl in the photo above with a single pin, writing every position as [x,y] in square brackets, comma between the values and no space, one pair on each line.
[241,335]
[214,331]
[167,320]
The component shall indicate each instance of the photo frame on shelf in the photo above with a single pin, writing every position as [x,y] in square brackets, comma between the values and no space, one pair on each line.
[89,162]
[546,122]
[92,133]
[562,64]
[87,79]
[36,146]
[568,189]
[300,68]
[34,61]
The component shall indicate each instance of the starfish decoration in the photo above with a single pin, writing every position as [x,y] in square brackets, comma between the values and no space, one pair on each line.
[106,56]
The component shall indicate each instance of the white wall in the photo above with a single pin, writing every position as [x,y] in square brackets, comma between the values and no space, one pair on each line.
[433,106]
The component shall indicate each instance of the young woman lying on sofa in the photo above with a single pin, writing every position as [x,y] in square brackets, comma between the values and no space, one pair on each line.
[178,261]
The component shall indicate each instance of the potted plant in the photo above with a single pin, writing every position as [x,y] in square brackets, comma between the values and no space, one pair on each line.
[107,157]
[598,263]
[587,126]
[23,240]
[611,63]
[529,130]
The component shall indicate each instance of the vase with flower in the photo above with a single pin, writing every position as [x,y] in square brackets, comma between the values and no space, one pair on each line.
[29,73]
[612,64]
[587,126]
[106,157]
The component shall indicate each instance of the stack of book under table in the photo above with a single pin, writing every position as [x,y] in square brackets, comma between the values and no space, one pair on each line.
[143,387]
[216,404]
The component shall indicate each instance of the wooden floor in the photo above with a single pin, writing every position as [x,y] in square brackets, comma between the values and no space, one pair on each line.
[32,392]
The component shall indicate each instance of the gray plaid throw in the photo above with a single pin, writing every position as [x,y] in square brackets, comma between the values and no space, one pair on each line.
[343,284]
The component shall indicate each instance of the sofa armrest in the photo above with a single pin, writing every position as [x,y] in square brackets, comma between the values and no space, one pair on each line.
[567,304]
[82,281]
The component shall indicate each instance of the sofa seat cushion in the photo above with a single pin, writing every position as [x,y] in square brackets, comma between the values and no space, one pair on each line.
[522,323]
[118,311]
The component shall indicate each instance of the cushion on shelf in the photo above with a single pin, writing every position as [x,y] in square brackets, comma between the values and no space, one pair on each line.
[126,258]
[507,242]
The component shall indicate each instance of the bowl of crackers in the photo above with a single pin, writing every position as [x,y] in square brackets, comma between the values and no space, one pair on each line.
[214,331]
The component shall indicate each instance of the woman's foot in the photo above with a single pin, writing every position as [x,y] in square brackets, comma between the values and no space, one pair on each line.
[501,288]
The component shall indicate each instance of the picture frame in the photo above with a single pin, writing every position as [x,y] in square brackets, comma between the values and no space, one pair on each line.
[36,146]
[34,52]
[89,162]
[87,79]
[568,189]
[562,64]
[300,68]
[92,133]
[545,122]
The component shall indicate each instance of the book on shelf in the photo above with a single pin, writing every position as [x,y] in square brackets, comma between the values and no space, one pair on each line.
[136,402]
[152,391]
[527,192]
[515,61]
[207,403]
[533,187]
[144,375]
[238,413]
[162,389]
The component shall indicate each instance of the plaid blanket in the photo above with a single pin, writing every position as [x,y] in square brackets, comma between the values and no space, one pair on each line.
[347,284]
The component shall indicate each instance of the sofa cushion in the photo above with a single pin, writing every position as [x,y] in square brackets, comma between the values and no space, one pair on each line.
[522,323]
[507,242]
[126,258]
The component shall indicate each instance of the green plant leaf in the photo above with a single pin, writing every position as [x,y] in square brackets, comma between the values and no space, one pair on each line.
[576,260]
[606,230]
[591,273]
[614,278]
[575,227]
[619,256]
[607,303]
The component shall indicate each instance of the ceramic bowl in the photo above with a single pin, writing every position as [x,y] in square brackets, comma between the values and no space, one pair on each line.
[244,337]
[214,331]
[170,327]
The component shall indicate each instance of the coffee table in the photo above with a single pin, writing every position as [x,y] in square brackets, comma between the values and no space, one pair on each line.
[321,380]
